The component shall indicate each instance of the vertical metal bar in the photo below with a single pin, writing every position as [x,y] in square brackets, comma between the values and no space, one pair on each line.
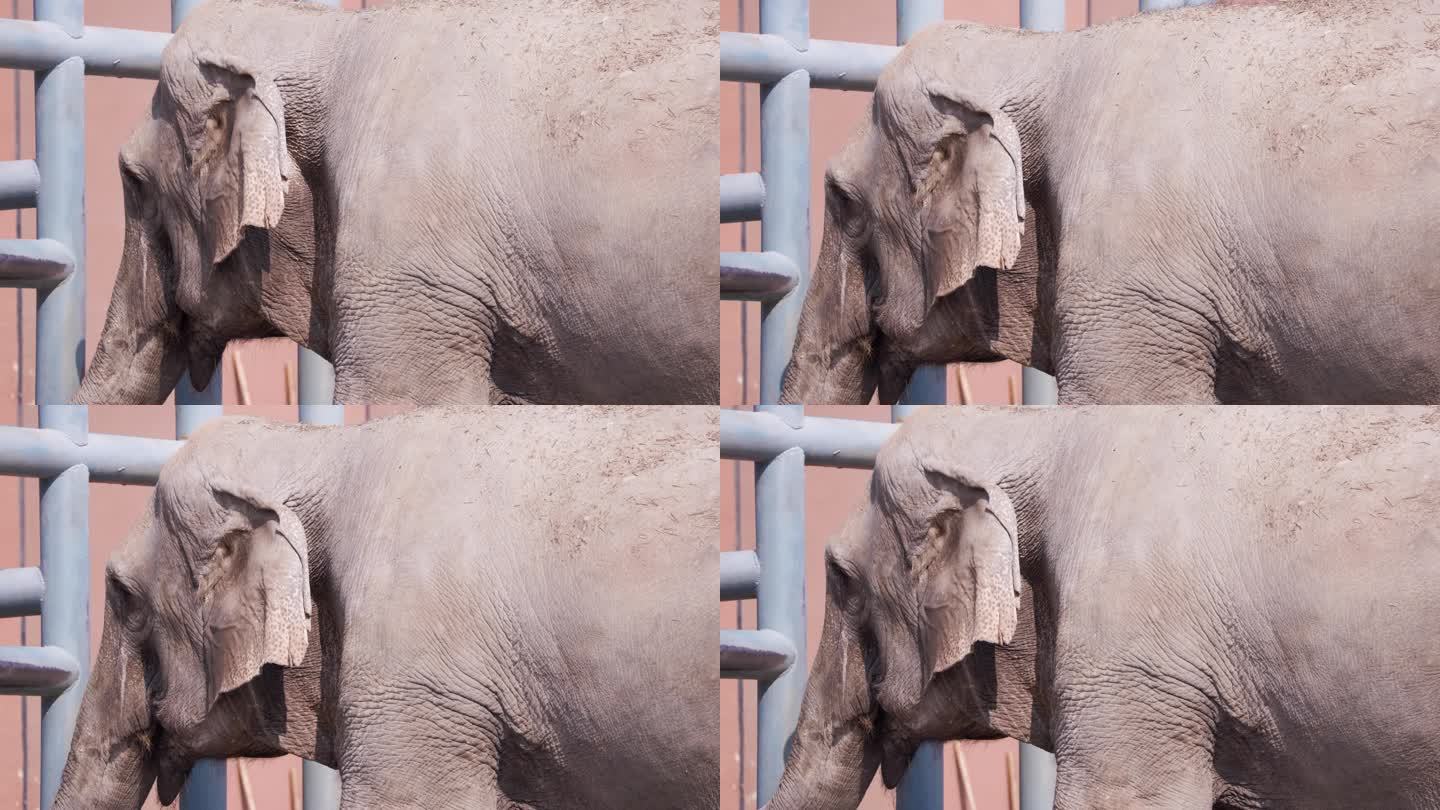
[205,788]
[926,387]
[316,381]
[185,390]
[785,168]
[65,613]
[1037,767]
[1037,387]
[923,786]
[780,597]
[60,210]
[321,784]
[927,384]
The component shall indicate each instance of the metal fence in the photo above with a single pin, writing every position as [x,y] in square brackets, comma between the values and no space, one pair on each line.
[778,438]
[782,441]
[62,50]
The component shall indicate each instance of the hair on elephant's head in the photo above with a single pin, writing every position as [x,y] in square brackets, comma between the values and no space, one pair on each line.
[928,191]
[210,588]
[925,572]
[205,179]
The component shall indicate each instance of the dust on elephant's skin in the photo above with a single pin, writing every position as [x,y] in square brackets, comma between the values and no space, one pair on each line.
[442,605]
[1224,204]
[1190,606]
[474,202]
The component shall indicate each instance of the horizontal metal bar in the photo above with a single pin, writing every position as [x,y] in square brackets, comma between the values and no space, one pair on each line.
[19,183]
[111,459]
[34,263]
[741,197]
[21,591]
[739,575]
[756,276]
[754,654]
[30,45]
[761,436]
[43,671]
[832,65]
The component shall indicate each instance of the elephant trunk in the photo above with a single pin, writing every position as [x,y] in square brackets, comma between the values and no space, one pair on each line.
[833,361]
[111,763]
[141,354]
[835,750]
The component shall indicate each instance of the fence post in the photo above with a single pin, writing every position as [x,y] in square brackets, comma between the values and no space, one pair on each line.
[780,597]
[65,610]
[923,786]
[316,381]
[785,170]
[317,393]
[1037,767]
[185,391]
[60,211]
[206,787]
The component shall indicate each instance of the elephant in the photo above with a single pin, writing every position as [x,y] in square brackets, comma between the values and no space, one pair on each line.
[442,605]
[455,202]
[1190,606]
[1206,205]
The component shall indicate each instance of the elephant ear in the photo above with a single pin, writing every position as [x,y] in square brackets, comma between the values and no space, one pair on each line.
[255,591]
[242,164]
[967,571]
[972,195]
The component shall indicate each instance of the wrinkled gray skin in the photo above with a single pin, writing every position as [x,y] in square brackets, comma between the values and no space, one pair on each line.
[1216,607]
[454,202]
[468,635]
[1220,205]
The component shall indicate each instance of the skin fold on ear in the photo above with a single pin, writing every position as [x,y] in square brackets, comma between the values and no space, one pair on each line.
[972,195]
[242,164]
[255,591]
[967,575]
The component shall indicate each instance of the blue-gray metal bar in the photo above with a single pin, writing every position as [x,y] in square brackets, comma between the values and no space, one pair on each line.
[22,591]
[761,435]
[40,45]
[832,65]
[780,596]
[1037,767]
[750,276]
[205,787]
[785,168]
[759,655]
[317,393]
[211,391]
[111,459]
[60,211]
[65,565]
[927,383]
[38,264]
[742,196]
[19,184]
[923,785]
[36,671]
[739,575]
[926,387]
[316,382]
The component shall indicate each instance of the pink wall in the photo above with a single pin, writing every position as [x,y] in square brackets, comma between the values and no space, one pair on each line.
[831,494]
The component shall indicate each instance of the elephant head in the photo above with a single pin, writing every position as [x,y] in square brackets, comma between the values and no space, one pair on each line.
[923,208]
[208,180]
[919,587]
[207,647]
